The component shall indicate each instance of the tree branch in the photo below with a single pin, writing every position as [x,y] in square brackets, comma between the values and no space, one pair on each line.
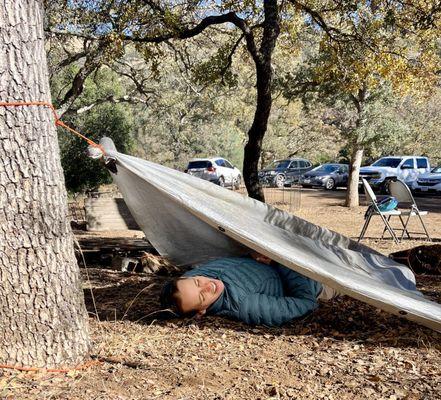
[230,17]
[230,57]
[109,99]
[93,62]
[134,76]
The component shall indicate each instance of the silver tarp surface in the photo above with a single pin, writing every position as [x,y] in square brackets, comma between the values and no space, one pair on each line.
[190,221]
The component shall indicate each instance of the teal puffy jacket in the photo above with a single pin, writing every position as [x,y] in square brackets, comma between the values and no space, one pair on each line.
[259,294]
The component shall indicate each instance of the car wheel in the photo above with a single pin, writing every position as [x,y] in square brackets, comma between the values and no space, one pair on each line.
[237,182]
[279,181]
[330,184]
[221,182]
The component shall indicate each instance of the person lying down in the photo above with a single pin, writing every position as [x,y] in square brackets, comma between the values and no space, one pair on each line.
[254,290]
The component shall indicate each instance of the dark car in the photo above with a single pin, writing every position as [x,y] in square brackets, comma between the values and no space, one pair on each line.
[328,176]
[283,171]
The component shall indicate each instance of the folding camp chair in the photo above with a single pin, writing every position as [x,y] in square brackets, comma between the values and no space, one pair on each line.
[402,193]
[374,210]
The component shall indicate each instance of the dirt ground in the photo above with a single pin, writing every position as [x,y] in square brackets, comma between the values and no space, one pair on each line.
[344,350]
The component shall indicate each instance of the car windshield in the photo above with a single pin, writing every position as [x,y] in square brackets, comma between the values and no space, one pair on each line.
[326,168]
[279,164]
[199,164]
[436,170]
[387,162]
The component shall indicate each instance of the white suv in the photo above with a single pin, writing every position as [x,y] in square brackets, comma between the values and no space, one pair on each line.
[217,170]
[430,182]
[406,168]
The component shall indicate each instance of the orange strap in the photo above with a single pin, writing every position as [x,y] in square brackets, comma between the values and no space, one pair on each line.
[58,121]
[59,370]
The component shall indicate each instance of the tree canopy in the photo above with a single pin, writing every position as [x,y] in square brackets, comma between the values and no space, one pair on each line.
[350,52]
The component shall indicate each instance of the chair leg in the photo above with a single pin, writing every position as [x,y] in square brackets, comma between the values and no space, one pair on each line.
[365,226]
[424,226]
[389,228]
[404,227]
[384,230]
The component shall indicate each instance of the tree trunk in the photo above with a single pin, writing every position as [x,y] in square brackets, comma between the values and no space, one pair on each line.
[354,171]
[357,149]
[256,133]
[42,314]
[264,75]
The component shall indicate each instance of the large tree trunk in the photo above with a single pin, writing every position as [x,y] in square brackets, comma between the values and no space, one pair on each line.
[42,314]
[354,172]
[264,75]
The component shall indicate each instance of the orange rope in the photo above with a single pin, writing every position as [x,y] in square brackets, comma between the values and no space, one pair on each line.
[86,365]
[58,121]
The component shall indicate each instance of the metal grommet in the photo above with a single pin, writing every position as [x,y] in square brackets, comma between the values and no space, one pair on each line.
[221,229]
[401,312]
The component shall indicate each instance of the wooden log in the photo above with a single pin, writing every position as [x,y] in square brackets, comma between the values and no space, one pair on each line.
[421,259]
[115,243]
[101,250]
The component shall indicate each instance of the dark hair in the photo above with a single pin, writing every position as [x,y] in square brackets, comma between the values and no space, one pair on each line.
[168,295]
[169,299]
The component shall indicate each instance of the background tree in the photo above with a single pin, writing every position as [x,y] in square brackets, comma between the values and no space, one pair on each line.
[42,312]
[149,23]
[100,119]
[359,55]
[422,118]
[295,131]
[356,36]
[189,118]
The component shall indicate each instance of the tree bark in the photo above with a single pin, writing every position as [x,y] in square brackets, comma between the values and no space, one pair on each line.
[256,133]
[352,197]
[42,314]
[354,171]
[264,75]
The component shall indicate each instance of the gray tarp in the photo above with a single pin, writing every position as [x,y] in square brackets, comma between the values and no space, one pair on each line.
[190,220]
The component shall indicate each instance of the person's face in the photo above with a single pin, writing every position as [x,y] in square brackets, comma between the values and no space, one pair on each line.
[197,293]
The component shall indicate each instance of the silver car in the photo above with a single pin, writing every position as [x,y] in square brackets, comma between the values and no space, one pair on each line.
[330,176]
[217,170]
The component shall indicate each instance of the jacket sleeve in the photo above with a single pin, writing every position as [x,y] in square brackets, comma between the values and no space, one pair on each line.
[297,285]
[261,309]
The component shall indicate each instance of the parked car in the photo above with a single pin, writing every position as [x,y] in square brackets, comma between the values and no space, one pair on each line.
[217,170]
[329,176]
[284,171]
[430,182]
[406,168]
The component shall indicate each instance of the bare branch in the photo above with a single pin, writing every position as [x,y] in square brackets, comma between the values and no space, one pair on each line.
[109,99]
[134,75]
